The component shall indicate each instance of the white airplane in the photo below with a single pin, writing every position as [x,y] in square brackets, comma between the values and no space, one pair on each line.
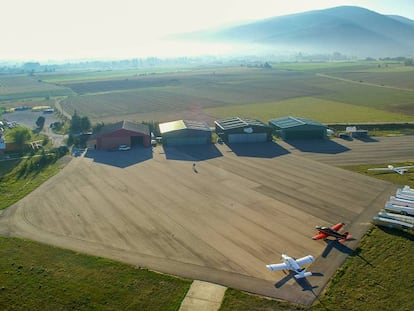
[400,169]
[294,265]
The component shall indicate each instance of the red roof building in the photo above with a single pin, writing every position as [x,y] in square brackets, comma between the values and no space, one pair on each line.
[121,133]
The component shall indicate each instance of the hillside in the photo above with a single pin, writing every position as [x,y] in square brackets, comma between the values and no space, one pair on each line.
[346,29]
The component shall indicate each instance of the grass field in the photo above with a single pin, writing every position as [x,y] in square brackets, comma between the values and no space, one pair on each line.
[20,177]
[39,277]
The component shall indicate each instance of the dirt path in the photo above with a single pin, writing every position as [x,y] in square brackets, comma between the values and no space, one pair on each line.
[364,83]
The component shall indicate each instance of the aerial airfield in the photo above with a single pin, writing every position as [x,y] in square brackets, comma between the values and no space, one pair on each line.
[218,213]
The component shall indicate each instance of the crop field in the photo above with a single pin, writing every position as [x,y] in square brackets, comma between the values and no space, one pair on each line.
[15,87]
[98,75]
[324,111]
[396,79]
[326,92]
[336,96]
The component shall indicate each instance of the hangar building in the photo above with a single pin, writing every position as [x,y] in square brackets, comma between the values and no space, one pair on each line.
[121,133]
[185,132]
[298,128]
[243,130]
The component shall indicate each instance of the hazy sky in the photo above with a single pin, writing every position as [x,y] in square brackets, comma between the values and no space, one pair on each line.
[74,29]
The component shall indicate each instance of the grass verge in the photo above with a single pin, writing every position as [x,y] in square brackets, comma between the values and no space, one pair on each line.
[39,277]
[21,177]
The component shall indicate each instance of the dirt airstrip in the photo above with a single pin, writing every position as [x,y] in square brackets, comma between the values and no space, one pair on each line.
[222,220]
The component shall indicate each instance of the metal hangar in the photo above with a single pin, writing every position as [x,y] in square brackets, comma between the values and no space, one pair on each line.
[243,130]
[185,132]
[298,128]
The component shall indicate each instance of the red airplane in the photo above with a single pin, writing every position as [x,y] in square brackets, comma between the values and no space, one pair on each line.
[325,232]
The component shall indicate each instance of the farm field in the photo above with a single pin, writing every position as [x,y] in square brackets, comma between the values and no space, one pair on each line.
[211,94]
[19,87]
[327,92]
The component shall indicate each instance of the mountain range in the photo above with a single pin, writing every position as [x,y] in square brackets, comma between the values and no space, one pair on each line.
[349,30]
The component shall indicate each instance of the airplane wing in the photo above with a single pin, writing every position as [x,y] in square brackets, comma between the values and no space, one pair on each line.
[277,266]
[404,167]
[305,260]
[337,226]
[380,169]
[320,236]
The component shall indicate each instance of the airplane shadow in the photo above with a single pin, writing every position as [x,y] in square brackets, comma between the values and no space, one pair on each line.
[283,281]
[330,244]
[357,252]
[343,249]
[303,283]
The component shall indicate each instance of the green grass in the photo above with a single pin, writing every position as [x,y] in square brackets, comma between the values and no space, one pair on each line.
[377,277]
[237,301]
[20,177]
[406,179]
[34,276]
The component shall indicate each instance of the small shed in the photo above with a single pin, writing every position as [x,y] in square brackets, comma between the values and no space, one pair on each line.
[298,128]
[185,132]
[243,130]
[121,133]
[352,131]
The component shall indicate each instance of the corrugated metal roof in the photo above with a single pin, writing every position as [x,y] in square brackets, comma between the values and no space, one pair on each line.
[126,125]
[288,122]
[182,125]
[236,122]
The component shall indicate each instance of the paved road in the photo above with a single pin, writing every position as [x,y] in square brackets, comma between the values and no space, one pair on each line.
[339,152]
[223,222]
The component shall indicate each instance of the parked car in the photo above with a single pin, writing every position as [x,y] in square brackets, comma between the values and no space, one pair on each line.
[124,147]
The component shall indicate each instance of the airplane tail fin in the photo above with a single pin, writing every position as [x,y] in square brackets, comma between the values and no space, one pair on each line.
[347,237]
[302,275]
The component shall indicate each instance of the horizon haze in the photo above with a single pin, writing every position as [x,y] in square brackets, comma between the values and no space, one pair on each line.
[49,31]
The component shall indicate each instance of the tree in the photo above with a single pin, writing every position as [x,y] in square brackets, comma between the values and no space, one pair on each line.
[85,124]
[75,124]
[79,124]
[20,135]
[409,62]
[40,122]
